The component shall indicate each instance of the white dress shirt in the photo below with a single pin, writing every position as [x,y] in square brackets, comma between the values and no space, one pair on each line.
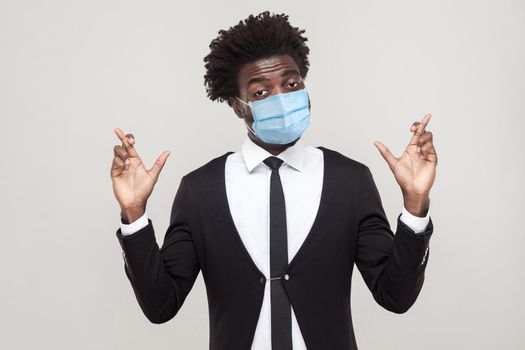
[247,181]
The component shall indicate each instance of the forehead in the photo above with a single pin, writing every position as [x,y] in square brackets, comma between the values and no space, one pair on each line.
[270,67]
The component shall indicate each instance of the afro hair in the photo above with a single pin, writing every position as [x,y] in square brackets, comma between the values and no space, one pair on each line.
[254,38]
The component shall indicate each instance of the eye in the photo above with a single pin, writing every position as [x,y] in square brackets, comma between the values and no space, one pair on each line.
[293,84]
[260,93]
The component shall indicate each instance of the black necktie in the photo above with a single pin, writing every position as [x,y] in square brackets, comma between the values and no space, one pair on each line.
[280,305]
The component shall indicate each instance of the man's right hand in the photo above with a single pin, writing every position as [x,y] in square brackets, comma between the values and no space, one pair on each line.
[132,182]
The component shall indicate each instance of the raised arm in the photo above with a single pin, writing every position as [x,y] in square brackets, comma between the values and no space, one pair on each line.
[392,266]
[161,277]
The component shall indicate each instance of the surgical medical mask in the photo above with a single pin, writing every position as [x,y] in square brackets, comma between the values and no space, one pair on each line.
[281,118]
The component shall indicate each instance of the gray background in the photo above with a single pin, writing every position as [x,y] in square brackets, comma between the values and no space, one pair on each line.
[70,72]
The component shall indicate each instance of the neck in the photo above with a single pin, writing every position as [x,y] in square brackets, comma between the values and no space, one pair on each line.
[274,149]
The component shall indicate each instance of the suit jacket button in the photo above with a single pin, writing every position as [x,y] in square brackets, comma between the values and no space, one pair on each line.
[262,280]
[286,277]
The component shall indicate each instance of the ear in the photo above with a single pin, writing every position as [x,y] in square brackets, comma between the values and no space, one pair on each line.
[235,104]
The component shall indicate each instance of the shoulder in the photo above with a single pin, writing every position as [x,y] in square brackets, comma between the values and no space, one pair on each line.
[209,171]
[347,172]
[341,161]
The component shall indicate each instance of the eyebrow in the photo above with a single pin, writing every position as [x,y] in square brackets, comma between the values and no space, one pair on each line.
[289,71]
[256,80]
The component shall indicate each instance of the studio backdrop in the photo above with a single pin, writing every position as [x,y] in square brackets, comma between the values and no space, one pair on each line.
[73,71]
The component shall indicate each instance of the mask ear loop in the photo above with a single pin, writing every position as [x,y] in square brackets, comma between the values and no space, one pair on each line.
[244,117]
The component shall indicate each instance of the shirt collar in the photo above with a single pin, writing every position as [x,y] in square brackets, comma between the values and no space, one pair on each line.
[254,154]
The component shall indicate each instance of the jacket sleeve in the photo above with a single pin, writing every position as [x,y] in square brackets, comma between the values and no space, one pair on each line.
[162,278]
[392,266]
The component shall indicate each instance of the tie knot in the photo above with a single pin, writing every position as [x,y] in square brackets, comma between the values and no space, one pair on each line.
[273,162]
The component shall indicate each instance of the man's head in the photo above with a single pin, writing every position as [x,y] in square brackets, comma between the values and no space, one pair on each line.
[260,57]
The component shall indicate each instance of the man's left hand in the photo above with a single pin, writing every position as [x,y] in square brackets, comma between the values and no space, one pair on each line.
[415,169]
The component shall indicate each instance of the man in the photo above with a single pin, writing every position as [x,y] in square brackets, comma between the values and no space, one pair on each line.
[276,227]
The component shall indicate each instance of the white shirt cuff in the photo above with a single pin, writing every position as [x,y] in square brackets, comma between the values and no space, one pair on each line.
[416,223]
[128,229]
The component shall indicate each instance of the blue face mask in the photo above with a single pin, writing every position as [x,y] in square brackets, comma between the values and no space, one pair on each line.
[281,118]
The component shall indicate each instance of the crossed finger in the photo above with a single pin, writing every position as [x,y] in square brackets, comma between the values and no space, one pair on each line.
[419,128]
[424,141]
[128,143]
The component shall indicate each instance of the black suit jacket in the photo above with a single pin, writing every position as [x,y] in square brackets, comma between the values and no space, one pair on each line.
[350,228]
